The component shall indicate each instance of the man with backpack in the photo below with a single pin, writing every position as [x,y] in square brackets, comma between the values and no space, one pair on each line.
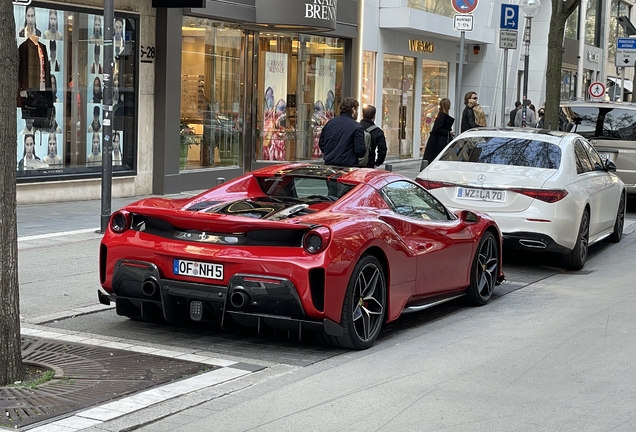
[342,138]
[374,135]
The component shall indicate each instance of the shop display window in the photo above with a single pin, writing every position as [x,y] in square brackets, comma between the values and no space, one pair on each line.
[397,104]
[434,89]
[368,78]
[211,112]
[60,92]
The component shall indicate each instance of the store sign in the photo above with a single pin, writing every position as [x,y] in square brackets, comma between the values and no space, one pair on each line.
[593,57]
[295,14]
[421,46]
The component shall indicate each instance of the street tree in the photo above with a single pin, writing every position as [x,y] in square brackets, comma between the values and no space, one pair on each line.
[11,368]
[561,10]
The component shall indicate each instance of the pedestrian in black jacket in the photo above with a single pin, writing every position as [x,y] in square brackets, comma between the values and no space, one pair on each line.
[378,141]
[513,114]
[468,116]
[342,138]
[441,133]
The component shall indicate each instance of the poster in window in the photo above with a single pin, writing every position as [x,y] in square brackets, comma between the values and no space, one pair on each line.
[118,147]
[54,28]
[324,99]
[274,106]
[119,39]
[95,29]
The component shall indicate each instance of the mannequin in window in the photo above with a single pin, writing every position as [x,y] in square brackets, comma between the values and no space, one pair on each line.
[96,67]
[34,82]
[52,157]
[53,33]
[30,28]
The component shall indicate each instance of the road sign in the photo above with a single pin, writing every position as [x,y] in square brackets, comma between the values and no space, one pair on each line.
[463,22]
[597,89]
[625,52]
[464,6]
[509,17]
[508,39]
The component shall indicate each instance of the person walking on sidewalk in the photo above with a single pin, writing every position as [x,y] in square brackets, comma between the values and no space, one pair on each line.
[378,141]
[342,138]
[441,133]
[468,115]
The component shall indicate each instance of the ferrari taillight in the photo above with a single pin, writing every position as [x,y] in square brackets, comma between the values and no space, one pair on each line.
[316,240]
[120,221]
[432,184]
[545,195]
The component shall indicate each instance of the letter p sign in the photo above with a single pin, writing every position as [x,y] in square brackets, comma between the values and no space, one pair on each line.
[509,17]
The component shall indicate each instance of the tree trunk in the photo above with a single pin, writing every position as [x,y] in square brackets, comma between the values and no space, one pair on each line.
[10,345]
[561,10]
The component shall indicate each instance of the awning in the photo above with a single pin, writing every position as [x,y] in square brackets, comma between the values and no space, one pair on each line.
[628,83]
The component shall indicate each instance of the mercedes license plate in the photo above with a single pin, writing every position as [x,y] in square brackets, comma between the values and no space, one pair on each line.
[198,269]
[609,156]
[481,194]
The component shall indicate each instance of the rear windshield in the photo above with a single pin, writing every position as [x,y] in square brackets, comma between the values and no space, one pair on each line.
[504,151]
[599,121]
[299,187]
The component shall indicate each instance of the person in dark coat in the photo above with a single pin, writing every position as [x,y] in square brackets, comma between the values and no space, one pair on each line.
[513,114]
[468,115]
[378,141]
[441,133]
[342,138]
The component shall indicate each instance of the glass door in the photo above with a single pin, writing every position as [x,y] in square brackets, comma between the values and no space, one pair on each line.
[397,105]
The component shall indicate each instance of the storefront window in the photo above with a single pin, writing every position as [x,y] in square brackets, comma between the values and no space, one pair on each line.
[368,78]
[618,9]
[211,112]
[568,84]
[434,89]
[397,104]
[299,91]
[438,7]
[60,100]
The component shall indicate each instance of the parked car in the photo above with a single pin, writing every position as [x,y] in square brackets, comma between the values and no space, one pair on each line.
[300,247]
[611,128]
[548,191]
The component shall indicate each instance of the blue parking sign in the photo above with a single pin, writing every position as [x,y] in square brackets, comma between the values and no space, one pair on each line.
[509,17]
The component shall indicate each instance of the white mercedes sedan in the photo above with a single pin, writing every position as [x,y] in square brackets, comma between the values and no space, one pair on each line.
[547,190]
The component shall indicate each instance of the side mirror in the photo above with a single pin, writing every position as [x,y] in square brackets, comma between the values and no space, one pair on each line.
[468,217]
[610,166]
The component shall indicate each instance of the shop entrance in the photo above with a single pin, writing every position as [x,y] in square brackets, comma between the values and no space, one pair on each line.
[397,105]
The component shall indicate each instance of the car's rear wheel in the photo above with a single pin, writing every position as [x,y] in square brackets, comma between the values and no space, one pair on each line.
[617,235]
[364,306]
[575,260]
[484,271]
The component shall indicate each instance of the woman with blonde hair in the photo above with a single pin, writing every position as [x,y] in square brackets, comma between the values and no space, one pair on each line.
[441,133]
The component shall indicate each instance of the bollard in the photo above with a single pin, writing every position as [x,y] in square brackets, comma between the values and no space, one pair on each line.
[388,167]
[220,180]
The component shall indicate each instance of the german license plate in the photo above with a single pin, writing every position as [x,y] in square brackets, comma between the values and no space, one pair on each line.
[197,269]
[481,194]
[609,156]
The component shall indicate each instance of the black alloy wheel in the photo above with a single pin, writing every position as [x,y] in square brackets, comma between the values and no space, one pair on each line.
[484,271]
[575,260]
[364,306]
[619,224]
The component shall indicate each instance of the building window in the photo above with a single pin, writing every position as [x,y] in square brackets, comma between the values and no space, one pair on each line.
[438,7]
[60,100]
[592,26]
[618,9]
[434,89]
[368,78]
[572,25]
[211,112]
[299,91]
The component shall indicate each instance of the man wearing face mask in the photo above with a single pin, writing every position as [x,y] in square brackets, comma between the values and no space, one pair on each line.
[342,138]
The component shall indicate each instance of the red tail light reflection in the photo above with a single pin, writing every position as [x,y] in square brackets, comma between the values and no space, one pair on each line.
[432,184]
[546,195]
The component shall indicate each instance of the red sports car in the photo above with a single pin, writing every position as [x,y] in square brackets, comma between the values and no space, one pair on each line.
[301,247]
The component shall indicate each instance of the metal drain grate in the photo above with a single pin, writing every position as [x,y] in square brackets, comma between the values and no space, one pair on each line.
[86,376]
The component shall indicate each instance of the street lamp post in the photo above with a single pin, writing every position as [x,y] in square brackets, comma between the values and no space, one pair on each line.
[530,9]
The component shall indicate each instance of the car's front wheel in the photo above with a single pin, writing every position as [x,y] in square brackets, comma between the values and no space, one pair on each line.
[364,306]
[484,271]
[617,234]
[575,260]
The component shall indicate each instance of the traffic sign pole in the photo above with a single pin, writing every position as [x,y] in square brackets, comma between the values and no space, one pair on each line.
[504,89]
[622,84]
[459,97]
